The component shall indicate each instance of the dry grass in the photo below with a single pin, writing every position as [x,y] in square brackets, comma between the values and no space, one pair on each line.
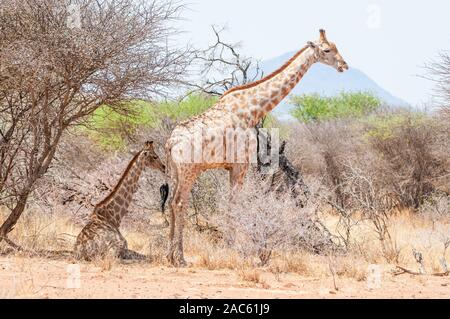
[36,230]
[253,277]
[334,273]
[409,231]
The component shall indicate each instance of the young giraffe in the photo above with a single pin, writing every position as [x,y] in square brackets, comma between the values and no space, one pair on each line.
[101,235]
[239,108]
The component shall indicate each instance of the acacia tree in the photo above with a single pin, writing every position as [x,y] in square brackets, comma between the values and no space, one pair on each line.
[59,61]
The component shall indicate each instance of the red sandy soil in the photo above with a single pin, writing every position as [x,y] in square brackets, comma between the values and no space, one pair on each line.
[40,278]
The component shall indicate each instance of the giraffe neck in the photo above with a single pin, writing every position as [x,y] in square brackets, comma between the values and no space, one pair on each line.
[252,102]
[115,206]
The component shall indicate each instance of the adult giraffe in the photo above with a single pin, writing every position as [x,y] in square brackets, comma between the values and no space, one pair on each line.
[203,142]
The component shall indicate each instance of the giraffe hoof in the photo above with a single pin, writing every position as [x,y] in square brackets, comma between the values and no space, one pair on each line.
[177,262]
[180,264]
[170,258]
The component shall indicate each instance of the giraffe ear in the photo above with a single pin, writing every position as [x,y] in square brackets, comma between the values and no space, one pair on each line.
[312,45]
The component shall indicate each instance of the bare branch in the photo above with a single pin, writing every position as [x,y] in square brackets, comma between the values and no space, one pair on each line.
[222,67]
[439,73]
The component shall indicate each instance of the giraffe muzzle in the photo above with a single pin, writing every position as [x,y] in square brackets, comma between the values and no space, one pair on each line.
[343,67]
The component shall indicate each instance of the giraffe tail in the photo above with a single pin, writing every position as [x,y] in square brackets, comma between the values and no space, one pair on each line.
[164,191]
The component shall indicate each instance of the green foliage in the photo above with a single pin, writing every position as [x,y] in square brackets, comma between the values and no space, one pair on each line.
[318,108]
[110,128]
[383,127]
[193,105]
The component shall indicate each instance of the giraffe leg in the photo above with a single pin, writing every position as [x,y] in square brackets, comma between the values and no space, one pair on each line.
[131,255]
[89,244]
[173,216]
[112,243]
[174,212]
[237,177]
[178,211]
[121,250]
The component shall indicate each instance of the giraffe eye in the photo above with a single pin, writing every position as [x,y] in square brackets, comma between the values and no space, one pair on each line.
[327,51]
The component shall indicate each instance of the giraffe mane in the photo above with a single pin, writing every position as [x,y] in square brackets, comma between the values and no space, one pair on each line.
[122,178]
[268,77]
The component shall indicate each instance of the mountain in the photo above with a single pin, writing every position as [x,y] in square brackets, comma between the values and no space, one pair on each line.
[325,80]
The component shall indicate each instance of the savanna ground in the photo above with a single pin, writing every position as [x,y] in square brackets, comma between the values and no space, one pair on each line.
[217,272]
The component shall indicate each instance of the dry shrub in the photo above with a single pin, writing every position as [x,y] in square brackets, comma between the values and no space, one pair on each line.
[369,168]
[84,174]
[436,207]
[256,222]
[299,263]
[369,198]
[411,155]
[436,210]
[322,148]
[350,267]
[209,253]
[206,195]
[406,152]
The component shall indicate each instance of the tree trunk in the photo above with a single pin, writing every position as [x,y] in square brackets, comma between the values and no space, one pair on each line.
[12,219]
[288,178]
[38,171]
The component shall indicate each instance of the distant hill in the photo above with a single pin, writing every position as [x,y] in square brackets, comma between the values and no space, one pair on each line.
[327,81]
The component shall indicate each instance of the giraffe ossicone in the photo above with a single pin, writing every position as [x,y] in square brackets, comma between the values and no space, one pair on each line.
[241,108]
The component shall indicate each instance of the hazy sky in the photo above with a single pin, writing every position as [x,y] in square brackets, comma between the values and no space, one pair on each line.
[389,40]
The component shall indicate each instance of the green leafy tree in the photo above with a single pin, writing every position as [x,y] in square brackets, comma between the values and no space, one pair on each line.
[110,128]
[319,108]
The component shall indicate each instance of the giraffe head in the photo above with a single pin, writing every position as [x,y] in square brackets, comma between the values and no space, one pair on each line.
[328,53]
[151,159]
